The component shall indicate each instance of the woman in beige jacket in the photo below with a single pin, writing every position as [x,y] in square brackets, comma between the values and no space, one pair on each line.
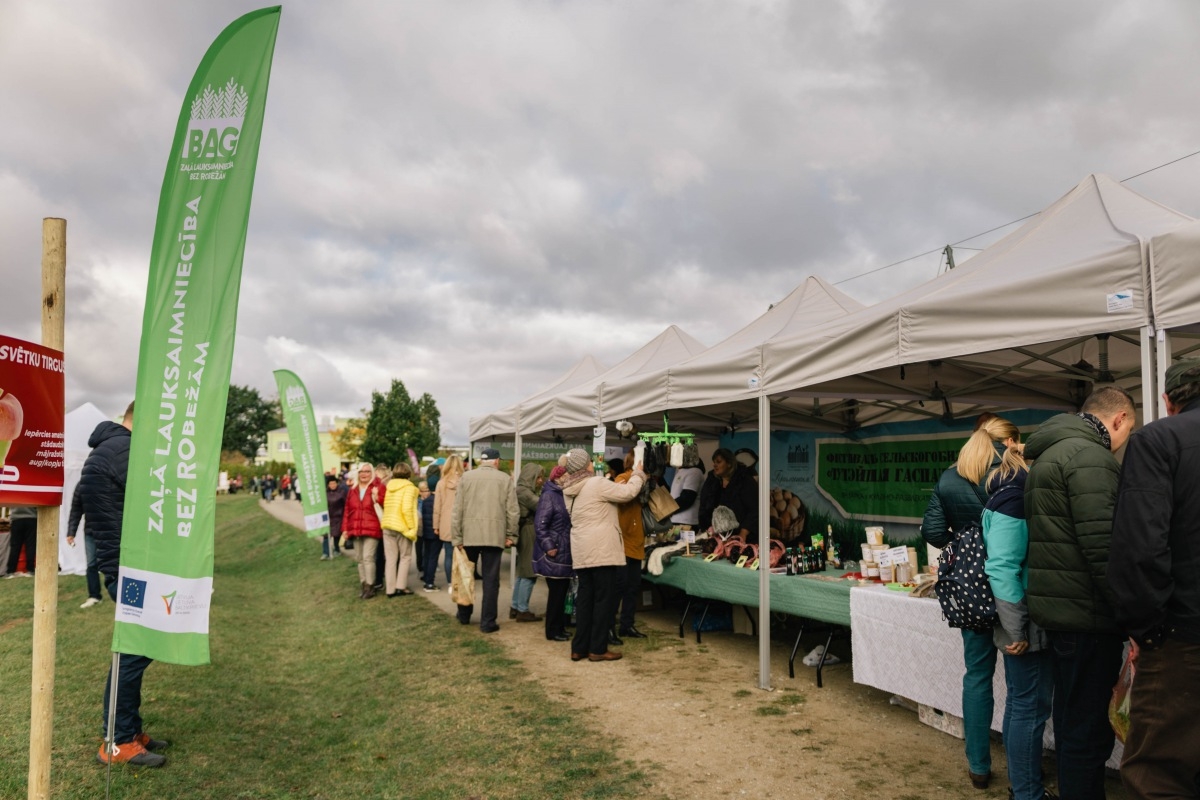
[597,552]
[443,507]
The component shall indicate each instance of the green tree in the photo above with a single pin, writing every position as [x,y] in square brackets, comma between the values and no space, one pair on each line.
[349,438]
[248,417]
[396,423]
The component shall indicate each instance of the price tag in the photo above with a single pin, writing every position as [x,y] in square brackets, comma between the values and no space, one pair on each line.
[710,557]
[688,536]
[753,564]
[741,562]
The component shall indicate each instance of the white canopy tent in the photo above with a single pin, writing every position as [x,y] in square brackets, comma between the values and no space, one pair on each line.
[506,420]
[79,425]
[697,390]
[1030,321]
[1175,295]
[585,405]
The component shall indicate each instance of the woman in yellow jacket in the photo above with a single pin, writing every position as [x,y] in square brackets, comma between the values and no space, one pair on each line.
[401,524]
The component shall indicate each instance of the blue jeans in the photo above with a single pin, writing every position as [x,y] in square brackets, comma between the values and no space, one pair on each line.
[129,691]
[1086,667]
[978,704]
[1030,682]
[93,574]
[522,591]
[432,548]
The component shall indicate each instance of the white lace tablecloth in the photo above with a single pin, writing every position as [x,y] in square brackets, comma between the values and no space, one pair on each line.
[902,645]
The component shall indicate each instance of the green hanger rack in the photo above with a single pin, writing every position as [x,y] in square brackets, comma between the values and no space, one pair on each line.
[666,435]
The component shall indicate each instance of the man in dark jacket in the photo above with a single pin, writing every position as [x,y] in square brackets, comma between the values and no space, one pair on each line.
[1153,573]
[100,499]
[1069,499]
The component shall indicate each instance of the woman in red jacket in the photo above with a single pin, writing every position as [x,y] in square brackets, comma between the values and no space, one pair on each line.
[361,521]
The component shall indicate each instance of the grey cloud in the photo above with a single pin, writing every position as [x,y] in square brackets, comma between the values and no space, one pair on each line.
[471,197]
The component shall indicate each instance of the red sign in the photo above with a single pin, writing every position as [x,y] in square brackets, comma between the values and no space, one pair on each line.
[32,445]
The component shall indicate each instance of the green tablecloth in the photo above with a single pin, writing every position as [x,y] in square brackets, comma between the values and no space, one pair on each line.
[798,595]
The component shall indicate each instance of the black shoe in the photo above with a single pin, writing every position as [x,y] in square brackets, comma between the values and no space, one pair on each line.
[559,637]
[613,640]
[489,628]
[632,633]
[512,613]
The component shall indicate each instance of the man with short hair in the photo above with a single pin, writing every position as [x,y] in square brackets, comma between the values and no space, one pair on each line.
[482,524]
[1153,573]
[1069,499]
[100,498]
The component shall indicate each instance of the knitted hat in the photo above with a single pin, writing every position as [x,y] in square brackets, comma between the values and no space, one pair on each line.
[724,520]
[557,472]
[577,460]
[1181,374]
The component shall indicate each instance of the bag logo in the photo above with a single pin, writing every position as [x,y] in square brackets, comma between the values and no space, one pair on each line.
[214,129]
[295,398]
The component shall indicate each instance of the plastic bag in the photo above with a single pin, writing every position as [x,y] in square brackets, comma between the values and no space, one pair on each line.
[1118,706]
[462,582]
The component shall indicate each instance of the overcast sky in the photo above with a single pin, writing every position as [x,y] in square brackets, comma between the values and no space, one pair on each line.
[472,196]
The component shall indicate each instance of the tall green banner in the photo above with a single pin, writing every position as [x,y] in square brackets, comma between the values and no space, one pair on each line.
[165,582]
[306,449]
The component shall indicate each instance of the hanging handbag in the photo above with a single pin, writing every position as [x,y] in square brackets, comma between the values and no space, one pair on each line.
[651,526]
[661,504]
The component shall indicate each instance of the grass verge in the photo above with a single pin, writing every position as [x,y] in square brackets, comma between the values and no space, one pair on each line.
[312,693]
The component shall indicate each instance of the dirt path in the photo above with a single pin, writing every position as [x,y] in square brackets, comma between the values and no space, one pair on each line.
[690,714]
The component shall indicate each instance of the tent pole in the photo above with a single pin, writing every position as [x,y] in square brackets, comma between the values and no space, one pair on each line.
[1151,375]
[517,457]
[764,542]
[1164,354]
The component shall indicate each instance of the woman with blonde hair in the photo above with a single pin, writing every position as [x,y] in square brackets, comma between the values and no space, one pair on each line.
[957,501]
[443,506]
[401,525]
[1028,665]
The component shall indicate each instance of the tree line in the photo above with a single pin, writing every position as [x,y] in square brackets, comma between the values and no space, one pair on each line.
[394,424]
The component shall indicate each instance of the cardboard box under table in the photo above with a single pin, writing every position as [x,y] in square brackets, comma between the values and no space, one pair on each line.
[819,596]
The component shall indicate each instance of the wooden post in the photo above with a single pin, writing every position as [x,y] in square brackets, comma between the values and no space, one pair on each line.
[45,589]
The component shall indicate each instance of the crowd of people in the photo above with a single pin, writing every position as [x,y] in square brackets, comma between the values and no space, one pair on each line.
[1085,553]
[1086,556]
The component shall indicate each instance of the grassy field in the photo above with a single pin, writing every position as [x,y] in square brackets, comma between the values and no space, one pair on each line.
[312,693]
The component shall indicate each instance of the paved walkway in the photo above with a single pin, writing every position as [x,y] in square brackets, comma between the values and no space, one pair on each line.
[290,511]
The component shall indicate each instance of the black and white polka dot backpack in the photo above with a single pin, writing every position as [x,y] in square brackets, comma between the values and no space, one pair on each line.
[962,586]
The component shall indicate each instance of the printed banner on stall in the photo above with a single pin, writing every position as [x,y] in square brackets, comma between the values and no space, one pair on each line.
[306,449]
[884,478]
[186,349]
[880,474]
[31,424]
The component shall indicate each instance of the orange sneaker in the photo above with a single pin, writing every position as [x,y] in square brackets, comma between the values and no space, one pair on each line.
[145,741]
[131,753]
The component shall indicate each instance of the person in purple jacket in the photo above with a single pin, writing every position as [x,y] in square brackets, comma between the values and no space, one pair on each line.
[552,553]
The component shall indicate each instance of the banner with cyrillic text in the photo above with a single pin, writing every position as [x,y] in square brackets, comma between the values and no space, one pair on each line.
[306,449]
[186,354]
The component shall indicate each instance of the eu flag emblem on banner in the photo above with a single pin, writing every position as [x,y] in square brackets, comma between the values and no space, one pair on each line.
[133,592]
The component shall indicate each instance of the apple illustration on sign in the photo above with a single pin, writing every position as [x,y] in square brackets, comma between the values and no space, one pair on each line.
[12,419]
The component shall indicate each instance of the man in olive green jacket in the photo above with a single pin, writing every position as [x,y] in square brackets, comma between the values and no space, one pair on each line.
[482,524]
[1069,499]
